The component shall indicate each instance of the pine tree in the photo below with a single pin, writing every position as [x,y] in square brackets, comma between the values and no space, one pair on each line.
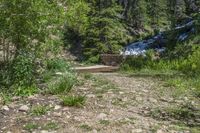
[106,32]
[156,10]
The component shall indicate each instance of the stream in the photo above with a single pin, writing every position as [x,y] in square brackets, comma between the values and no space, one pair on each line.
[158,42]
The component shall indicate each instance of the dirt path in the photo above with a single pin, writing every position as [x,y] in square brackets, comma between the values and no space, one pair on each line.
[115,104]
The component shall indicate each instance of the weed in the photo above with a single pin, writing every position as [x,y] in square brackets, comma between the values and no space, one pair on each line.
[51,126]
[6,98]
[86,127]
[31,126]
[57,64]
[63,84]
[25,91]
[76,101]
[103,85]
[88,76]
[104,122]
[184,114]
[39,110]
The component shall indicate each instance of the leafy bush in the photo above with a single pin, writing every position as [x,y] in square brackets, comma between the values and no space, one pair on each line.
[25,91]
[23,69]
[192,65]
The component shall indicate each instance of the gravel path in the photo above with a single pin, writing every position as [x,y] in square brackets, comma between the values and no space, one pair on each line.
[115,104]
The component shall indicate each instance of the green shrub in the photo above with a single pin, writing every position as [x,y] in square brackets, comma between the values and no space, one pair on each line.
[57,64]
[62,84]
[6,98]
[135,63]
[77,101]
[191,65]
[25,91]
[23,69]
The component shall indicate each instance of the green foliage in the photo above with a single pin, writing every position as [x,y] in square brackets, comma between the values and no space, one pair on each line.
[136,63]
[77,101]
[51,126]
[39,110]
[23,69]
[29,28]
[180,113]
[57,64]
[86,127]
[105,34]
[104,122]
[77,16]
[25,91]
[6,98]
[31,126]
[63,84]
[192,65]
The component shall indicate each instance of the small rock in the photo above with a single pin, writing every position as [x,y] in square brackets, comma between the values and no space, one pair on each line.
[24,108]
[1,100]
[160,131]
[32,97]
[44,131]
[109,92]
[101,116]
[121,92]
[84,89]
[9,132]
[153,100]
[59,73]
[138,98]
[37,118]
[94,131]
[56,114]
[57,107]
[16,98]
[125,99]
[91,96]
[137,131]
[77,118]
[12,105]
[5,108]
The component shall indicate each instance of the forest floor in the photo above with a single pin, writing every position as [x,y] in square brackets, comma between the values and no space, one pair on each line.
[115,103]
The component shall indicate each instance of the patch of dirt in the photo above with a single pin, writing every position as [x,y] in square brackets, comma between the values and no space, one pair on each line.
[123,107]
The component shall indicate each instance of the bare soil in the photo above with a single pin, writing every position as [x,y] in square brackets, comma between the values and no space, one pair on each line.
[125,106]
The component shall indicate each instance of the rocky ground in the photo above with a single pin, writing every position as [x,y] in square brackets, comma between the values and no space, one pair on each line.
[115,103]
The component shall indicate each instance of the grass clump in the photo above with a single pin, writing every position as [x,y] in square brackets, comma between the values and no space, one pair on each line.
[103,85]
[76,101]
[185,114]
[31,126]
[63,84]
[184,86]
[86,127]
[88,76]
[26,91]
[5,97]
[39,110]
[104,122]
[51,126]
[57,64]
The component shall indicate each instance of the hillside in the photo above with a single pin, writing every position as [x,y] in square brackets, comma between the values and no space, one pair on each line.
[52,79]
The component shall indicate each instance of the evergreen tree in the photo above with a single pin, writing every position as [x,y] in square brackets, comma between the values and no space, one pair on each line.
[157,12]
[106,33]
